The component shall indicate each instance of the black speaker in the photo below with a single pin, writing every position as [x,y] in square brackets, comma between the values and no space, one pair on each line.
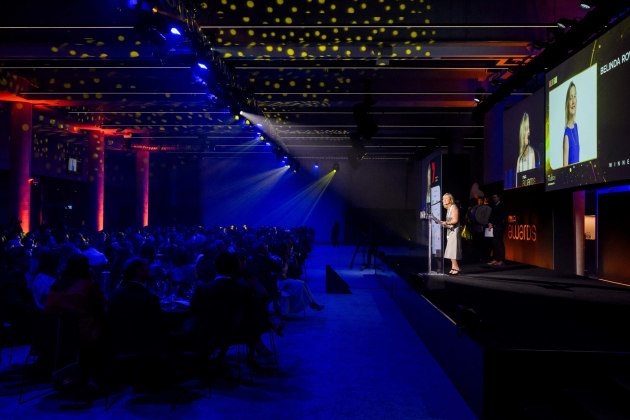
[334,283]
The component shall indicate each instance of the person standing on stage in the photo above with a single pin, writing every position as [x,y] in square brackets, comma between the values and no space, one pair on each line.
[334,235]
[496,222]
[453,249]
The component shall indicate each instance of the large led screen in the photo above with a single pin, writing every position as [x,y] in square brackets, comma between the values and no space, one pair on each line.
[524,142]
[587,123]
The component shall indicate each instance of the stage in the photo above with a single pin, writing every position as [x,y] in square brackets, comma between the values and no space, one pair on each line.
[520,339]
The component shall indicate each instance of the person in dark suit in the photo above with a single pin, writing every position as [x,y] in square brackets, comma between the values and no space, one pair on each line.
[76,292]
[261,266]
[137,333]
[132,302]
[217,307]
[334,235]
[496,222]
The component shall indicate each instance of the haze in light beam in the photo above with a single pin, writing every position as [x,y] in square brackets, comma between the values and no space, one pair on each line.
[249,192]
[298,208]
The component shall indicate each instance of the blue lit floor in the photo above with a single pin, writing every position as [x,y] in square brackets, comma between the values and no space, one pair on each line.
[358,358]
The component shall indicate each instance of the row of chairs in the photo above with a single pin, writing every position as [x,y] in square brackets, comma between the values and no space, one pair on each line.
[53,360]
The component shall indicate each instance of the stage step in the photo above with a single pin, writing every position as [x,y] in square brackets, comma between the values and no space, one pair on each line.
[545,412]
[620,379]
[598,406]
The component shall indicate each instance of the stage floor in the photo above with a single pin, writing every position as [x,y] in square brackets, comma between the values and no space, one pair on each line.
[522,307]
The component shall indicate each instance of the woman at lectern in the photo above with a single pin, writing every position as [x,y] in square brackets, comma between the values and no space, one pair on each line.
[527,155]
[571,141]
[453,249]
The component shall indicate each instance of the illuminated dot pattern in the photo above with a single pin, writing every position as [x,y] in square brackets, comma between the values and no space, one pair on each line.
[244,34]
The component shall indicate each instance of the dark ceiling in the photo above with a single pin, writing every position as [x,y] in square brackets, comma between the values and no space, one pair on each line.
[413,66]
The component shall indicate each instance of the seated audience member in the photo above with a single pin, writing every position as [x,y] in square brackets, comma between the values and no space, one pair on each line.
[46,274]
[262,267]
[136,322]
[182,275]
[76,292]
[256,318]
[95,257]
[132,301]
[225,313]
[204,269]
[17,305]
[300,295]
[216,306]
[157,275]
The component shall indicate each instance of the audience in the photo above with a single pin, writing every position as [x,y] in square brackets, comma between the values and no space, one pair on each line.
[233,281]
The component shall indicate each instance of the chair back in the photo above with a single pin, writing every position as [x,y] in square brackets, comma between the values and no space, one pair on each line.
[56,339]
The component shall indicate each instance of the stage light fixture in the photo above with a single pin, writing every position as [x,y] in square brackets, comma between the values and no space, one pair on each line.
[212,98]
[316,166]
[200,74]
[479,95]
[564,23]
[175,31]
[335,166]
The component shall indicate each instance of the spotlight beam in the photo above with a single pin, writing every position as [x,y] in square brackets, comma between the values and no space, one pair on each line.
[300,203]
[327,178]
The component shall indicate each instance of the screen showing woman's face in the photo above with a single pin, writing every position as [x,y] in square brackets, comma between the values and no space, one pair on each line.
[572,102]
[526,132]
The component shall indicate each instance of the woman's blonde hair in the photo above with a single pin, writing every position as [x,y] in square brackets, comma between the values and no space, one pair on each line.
[521,133]
[566,103]
[449,195]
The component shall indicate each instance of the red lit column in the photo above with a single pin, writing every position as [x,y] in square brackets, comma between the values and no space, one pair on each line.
[96,179]
[142,188]
[20,146]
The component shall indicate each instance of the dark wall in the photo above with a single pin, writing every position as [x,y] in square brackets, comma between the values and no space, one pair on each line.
[561,203]
[261,191]
[613,235]
[175,185]
[493,144]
